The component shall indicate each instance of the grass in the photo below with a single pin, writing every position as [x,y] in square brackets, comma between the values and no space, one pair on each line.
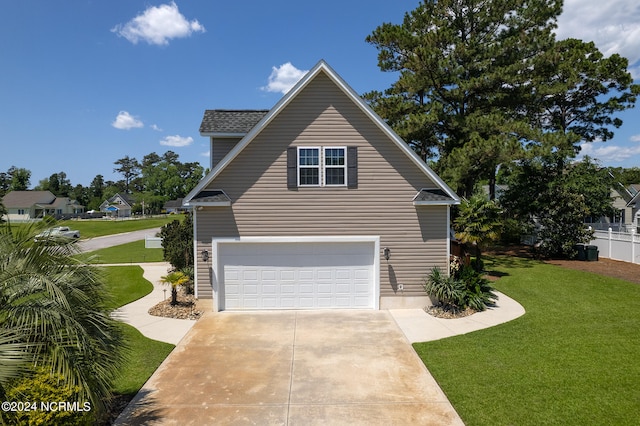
[572,359]
[143,355]
[133,252]
[101,227]
[126,284]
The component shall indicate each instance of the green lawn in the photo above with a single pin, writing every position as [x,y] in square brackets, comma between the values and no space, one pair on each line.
[126,284]
[143,355]
[100,227]
[133,252]
[572,359]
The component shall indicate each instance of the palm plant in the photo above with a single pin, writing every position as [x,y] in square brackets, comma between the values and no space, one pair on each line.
[478,223]
[175,278]
[53,314]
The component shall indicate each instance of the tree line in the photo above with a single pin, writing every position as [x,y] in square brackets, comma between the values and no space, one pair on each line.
[486,94]
[155,179]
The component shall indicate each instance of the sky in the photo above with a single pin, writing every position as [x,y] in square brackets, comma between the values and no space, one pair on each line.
[84,83]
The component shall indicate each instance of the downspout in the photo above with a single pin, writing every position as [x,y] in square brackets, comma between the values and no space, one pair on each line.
[194,209]
[448,239]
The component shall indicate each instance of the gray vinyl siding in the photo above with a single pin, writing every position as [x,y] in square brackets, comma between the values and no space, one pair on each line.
[381,205]
[221,147]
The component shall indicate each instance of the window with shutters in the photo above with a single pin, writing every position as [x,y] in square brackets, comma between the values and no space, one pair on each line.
[322,166]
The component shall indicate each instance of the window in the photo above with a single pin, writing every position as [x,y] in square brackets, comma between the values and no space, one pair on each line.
[334,166]
[309,166]
[322,166]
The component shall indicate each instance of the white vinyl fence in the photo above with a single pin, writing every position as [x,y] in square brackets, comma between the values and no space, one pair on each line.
[623,246]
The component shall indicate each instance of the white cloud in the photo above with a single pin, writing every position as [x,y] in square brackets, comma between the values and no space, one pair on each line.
[614,26]
[125,121]
[205,154]
[177,141]
[156,128]
[157,25]
[283,78]
[609,153]
[635,138]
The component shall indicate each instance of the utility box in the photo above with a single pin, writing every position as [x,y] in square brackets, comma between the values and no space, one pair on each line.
[591,253]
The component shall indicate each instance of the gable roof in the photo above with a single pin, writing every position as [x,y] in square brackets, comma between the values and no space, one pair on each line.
[15,199]
[226,122]
[128,199]
[321,67]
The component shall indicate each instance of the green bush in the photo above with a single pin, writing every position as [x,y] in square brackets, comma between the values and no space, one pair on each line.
[43,399]
[177,243]
[464,288]
[478,293]
[448,290]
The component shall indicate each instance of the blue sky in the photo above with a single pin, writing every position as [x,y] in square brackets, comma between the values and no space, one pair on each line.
[85,82]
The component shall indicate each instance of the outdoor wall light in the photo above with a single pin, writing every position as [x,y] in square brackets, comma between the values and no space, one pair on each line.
[387,253]
[205,255]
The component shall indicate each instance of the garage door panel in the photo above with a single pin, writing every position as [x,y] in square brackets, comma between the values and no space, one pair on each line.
[297,275]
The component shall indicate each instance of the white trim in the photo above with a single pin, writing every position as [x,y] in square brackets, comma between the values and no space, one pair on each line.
[286,99]
[208,203]
[435,203]
[319,166]
[217,268]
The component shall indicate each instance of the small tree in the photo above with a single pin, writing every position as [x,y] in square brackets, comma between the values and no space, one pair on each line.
[175,278]
[55,314]
[177,243]
[478,223]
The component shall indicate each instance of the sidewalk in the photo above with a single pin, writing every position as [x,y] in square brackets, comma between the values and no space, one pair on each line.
[416,324]
[136,313]
[419,326]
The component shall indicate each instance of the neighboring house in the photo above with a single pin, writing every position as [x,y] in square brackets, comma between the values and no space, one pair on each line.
[119,205]
[626,207]
[316,204]
[28,205]
[175,206]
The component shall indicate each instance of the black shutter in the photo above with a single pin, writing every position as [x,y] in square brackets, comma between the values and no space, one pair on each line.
[352,167]
[292,167]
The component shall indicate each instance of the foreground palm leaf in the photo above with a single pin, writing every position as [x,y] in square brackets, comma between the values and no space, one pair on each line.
[57,303]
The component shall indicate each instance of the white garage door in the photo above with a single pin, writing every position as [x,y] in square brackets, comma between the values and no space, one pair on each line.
[297,275]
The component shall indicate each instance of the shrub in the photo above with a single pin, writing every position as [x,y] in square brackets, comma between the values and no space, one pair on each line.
[448,290]
[44,392]
[464,288]
[177,243]
[478,292]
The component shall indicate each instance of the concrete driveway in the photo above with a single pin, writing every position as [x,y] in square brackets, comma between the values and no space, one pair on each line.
[292,368]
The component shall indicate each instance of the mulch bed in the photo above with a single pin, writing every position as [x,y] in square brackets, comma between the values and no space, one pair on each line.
[184,309]
[611,268]
[607,267]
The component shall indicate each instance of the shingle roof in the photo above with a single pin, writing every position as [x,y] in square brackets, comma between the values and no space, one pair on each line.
[172,204]
[433,196]
[15,199]
[230,121]
[211,197]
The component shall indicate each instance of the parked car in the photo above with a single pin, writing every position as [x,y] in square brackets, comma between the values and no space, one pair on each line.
[57,233]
